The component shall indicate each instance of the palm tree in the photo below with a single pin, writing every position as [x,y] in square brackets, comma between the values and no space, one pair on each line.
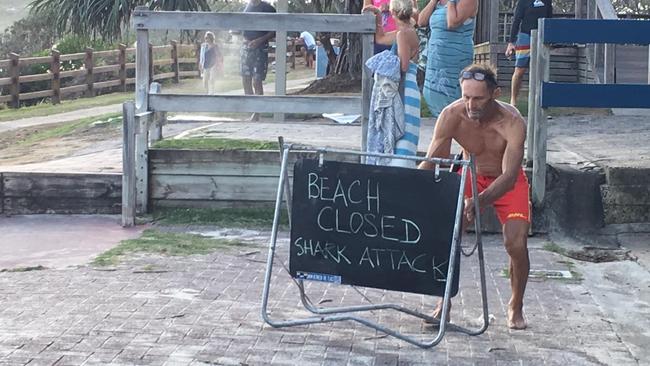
[104,19]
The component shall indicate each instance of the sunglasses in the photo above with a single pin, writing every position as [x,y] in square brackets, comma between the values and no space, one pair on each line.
[478,76]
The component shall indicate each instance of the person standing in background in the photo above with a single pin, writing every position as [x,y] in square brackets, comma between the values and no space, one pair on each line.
[210,63]
[254,53]
[450,48]
[394,118]
[387,21]
[309,49]
[525,19]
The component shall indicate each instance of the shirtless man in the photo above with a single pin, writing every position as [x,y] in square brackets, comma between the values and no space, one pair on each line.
[495,133]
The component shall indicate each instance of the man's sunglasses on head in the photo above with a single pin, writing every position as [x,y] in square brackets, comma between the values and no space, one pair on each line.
[478,76]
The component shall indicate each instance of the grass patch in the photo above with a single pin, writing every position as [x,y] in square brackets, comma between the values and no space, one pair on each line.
[424,109]
[157,242]
[250,218]
[522,103]
[46,109]
[69,128]
[552,247]
[212,143]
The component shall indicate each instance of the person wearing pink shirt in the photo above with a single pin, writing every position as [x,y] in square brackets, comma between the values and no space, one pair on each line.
[387,20]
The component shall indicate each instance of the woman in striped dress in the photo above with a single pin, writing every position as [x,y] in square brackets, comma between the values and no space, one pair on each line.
[396,129]
[450,49]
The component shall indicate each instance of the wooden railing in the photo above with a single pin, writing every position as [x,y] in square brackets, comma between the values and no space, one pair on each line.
[143,119]
[91,71]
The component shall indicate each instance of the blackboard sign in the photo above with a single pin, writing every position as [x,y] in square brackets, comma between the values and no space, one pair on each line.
[373,226]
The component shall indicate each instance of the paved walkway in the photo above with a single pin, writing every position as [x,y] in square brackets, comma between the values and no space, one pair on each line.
[205,310]
[117,108]
[585,141]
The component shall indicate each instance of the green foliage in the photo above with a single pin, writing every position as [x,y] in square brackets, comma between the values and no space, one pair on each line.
[167,243]
[424,109]
[204,143]
[224,217]
[104,19]
[553,247]
[46,109]
[67,128]
[228,5]
[75,43]
[28,36]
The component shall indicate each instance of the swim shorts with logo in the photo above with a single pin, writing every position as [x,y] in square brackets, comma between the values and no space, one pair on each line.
[513,205]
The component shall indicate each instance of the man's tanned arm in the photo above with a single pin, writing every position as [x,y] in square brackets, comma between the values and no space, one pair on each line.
[511,165]
[440,146]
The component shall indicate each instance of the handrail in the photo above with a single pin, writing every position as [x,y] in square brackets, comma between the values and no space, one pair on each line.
[608,95]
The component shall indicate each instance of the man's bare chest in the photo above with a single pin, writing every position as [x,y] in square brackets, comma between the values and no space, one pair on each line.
[481,140]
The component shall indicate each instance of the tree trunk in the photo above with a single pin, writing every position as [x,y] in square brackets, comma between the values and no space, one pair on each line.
[349,58]
[345,69]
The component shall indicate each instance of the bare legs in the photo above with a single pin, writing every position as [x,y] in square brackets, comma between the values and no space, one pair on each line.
[515,239]
[251,84]
[517,77]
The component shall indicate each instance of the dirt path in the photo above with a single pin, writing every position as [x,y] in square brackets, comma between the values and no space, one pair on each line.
[95,148]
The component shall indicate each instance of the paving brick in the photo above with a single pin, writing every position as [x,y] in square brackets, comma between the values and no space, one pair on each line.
[126,318]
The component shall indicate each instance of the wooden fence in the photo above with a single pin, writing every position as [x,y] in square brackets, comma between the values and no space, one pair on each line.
[568,64]
[91,71]
[143,118]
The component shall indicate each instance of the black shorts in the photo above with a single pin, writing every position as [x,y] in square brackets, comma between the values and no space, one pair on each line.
[254,62]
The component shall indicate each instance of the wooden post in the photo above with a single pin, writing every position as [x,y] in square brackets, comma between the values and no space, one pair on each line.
[55,69]
[142,164]
[155,132]
[539,155]
[122,72]
[281,59]
[609,64]
[174,44]
[494,24]
[293,53]
[90,79]
[579,9]
[197,47]
[151,68]
[533,91]
[14,74]
[367,44]
[142,68]
[128,164]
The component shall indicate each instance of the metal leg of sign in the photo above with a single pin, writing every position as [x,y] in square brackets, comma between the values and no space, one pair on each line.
[326,315]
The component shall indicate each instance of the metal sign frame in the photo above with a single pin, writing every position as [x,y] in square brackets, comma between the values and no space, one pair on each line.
[333,314]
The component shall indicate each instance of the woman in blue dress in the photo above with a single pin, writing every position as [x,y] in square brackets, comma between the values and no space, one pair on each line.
[450,49]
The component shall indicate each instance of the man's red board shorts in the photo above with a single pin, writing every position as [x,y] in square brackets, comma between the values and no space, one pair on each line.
[514,205]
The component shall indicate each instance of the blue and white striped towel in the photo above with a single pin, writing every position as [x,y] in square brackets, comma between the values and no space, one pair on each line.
[408,143]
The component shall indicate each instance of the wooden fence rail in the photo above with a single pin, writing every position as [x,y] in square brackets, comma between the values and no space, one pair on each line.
[89,69]
[91,65]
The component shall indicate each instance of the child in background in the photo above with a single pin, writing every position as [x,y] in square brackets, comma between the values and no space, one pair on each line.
[210,63]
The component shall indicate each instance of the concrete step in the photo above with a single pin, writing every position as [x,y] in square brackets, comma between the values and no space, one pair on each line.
[626,195]
[623,176]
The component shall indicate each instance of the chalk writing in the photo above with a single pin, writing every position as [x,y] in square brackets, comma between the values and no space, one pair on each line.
[380,227]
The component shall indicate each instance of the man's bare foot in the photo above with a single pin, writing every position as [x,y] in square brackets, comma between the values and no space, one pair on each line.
[437,313]
[254,117]
[516,318]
